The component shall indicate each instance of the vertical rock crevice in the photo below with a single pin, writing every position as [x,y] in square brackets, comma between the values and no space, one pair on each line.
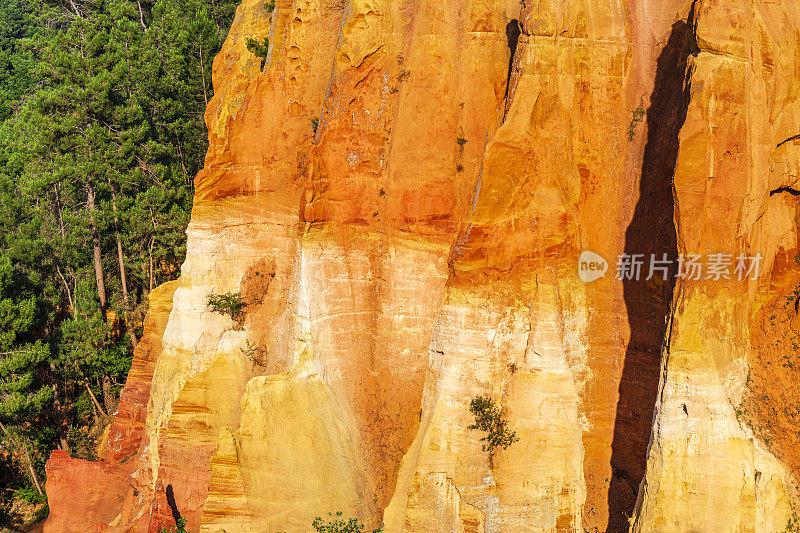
[650,234]
[513,31]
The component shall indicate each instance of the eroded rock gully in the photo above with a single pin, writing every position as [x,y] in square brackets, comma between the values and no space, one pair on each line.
[403,203]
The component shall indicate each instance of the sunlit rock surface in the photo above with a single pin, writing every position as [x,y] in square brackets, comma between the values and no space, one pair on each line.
[401,195]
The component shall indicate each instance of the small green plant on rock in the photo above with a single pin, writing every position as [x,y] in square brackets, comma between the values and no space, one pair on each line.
[259,49]
[315,124]
[180,528]
[270,6]
[638,115]
[488,419]
[254,353]
[793,524]
[337,524]
[231,304]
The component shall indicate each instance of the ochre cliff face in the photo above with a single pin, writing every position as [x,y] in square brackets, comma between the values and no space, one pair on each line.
[401,195]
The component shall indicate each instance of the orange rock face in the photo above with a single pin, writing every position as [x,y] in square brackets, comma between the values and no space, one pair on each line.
[84,495]
[401,196]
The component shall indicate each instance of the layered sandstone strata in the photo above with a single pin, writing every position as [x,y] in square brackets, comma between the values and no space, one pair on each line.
[401,195]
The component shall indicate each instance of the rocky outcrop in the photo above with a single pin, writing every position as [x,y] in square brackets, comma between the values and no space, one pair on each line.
[401,195]
[88,496]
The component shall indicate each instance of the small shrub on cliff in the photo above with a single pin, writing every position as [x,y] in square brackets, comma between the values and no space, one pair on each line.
[793,524]
[315,124]
[180,528]
[230,304]
[638,115]
[337,524]
[254,353]
[488,419]
[259,49]
[270,6]
[30,495]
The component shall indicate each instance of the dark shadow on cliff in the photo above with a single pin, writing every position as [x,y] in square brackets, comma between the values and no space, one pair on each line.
[513,31]
[651,231]
[176,515]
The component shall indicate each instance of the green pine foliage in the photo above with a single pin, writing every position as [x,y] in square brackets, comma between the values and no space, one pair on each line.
[231,304]
[101,134]
[18,33]
[259,49]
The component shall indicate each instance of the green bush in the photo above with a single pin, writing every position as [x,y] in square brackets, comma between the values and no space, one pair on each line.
[180,528]
[254,353]
[337,524]
[259,49]
[230,304]
[270,6]
[488,419]
[31,495]
[638,115]
[314,124]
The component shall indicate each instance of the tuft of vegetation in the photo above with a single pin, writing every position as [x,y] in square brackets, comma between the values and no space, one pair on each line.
[638,115]
[315,124]
[179,528]
[231,304]
[254,353]
[793,524]
[259,49]
[337,524]
[404,75]
[488,419]
[270,6]
[461,141]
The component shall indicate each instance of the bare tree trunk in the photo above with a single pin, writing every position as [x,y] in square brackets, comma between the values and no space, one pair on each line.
[77,12]
[203,74]
[32,471]
[128,325]
[108,396]
[94,398]
[141,15]
[60,215]
[69,293]
[62,437]
[98,257]
[122,275]
[152,239]
[28,461]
